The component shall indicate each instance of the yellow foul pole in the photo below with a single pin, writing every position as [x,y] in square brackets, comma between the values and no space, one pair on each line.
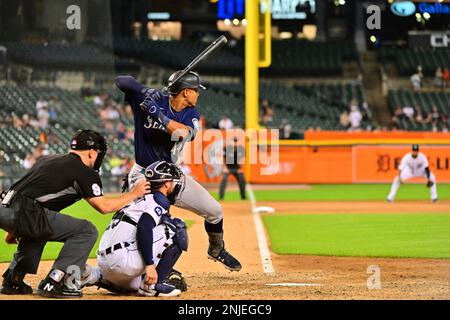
[252,9]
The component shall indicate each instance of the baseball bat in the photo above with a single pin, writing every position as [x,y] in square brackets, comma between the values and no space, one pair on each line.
[219,42]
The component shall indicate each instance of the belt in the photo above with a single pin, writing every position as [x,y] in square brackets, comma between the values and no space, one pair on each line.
[117,246]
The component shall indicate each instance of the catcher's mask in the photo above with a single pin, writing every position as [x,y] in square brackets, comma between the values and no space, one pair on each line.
[161,171]
[88,139]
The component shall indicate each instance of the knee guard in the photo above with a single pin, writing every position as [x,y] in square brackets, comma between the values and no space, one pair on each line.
[181,237]
[179,227]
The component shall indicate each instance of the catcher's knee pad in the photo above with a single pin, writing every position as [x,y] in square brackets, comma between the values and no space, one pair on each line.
[181,237]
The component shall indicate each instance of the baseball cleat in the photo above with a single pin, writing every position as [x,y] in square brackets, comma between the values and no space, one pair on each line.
[159,290]
[51,288]
[224,257]
[13,284]
[389,200]
[435,200]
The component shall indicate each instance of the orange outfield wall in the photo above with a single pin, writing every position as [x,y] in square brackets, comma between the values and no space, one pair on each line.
[324,157]
[348,164]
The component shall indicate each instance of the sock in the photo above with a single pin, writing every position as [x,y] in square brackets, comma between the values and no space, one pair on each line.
[215,235]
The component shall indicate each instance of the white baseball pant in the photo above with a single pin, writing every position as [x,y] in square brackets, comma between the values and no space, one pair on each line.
[125,267]
[406,174]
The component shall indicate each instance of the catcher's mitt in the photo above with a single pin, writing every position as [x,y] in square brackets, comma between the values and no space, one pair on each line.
[430,184]
[176,279]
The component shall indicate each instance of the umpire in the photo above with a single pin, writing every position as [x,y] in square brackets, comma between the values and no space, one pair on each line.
[30,214]
[233,155]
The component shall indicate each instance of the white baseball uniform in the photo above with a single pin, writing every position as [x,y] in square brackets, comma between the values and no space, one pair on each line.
[412,168]
[124,267]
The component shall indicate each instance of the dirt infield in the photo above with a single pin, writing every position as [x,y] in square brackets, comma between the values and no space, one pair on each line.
[316,277]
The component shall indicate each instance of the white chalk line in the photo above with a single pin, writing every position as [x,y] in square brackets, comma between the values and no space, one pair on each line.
[262,241]
[293,284]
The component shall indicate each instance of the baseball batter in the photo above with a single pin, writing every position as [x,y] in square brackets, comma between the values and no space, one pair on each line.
[414,165]
[163,124]
[142,243]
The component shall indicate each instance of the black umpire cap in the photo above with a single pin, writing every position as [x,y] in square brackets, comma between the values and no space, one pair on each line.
[88,139]
[190,80]
[415,147]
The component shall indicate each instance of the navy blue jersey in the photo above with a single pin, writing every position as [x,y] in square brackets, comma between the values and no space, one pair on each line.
[151,140]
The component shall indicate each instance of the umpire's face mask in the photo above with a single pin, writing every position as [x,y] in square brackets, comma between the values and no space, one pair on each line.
[101,152]
[99,161]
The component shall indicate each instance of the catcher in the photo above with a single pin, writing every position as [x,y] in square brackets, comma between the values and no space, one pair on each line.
[142,243]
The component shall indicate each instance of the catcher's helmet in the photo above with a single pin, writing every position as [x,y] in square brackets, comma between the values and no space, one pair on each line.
[189,80]
[161,171]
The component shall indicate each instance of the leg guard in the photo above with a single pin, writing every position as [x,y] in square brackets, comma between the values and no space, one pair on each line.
[168,259]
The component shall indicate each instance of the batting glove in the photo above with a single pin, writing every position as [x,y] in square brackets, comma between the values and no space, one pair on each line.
[153,110]
[152,94]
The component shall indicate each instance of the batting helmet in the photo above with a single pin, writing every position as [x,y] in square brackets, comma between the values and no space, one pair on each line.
[161,171]
[189,80]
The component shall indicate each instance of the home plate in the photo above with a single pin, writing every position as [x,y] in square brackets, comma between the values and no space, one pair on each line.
[293,284]
[263,210]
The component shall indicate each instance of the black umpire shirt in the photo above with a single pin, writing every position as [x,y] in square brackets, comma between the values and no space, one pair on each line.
[232,155]
[58,181]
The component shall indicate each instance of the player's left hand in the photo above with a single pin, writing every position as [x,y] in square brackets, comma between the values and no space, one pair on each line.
[10,239]
[151,276]
[430,184]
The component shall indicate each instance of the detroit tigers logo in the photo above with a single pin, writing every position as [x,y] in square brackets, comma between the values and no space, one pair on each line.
[159,211]
[383,163]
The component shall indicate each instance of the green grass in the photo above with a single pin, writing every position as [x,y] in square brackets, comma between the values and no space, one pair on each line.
[345,192]
[366,235]
[81,210]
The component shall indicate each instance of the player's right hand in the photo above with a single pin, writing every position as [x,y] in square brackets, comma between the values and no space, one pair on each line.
[142,188]
[151,276]
[153,94]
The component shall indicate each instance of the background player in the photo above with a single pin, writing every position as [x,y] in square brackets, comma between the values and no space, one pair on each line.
[142,243]
[413,165]
[163,124]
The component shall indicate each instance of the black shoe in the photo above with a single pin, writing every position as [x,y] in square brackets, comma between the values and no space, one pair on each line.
[49,288]
[13,284]
[226,259]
